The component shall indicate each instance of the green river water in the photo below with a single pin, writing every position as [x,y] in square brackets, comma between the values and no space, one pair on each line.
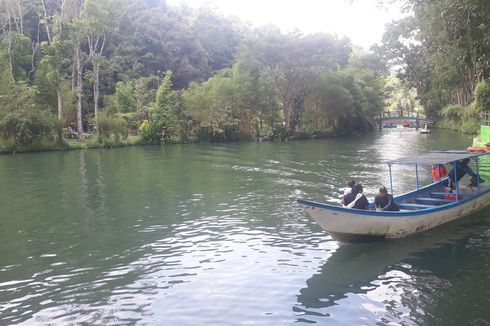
[210,234]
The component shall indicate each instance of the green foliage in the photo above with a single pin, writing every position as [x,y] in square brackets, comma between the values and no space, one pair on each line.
[453,112]
[153,132]
[221,80]
[279,132]
[482,96]
[442,50]
[460,118]
[164,94]
[19,56]
[22,120]
[207,132]
[109,126]
[24,127]
[124,98]
[471,120]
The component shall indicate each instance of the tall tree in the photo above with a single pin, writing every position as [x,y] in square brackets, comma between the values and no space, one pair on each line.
[292,59]
[99,18]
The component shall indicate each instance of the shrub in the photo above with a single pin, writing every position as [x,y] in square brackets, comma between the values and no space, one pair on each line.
[108,125]
[24,127]
[461,118]
[278,132]
[482,96]
[207,132]
[453,112]
[231,130]
[153,132]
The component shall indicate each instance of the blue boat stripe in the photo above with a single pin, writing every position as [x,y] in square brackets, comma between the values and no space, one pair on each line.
[387,213]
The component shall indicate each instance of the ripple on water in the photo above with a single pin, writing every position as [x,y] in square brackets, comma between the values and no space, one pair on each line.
[198,235]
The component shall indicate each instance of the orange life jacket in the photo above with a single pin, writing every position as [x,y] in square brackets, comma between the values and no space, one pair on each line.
[438,172]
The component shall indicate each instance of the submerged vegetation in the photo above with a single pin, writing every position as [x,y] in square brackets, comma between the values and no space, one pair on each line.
[103,71]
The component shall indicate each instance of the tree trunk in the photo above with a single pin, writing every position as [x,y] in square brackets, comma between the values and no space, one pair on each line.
[79,84]
[95,56]
[60,103]
[96,90]
[288,116]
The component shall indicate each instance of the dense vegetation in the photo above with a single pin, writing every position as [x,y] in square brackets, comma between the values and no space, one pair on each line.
[443,50]
[119,71]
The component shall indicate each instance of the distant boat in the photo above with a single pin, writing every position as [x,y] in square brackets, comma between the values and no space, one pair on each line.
[389,125]
[421,209]
[425,130]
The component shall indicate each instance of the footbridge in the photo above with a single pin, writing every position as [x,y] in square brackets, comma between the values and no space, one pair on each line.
[417,120]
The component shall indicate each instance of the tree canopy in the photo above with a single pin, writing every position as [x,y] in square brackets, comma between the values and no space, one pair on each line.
[442,50]
[173,74]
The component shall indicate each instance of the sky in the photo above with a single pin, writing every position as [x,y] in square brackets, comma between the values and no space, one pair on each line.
[362,21]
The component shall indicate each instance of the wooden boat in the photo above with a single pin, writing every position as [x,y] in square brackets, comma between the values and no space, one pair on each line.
[425,130]
[421,209]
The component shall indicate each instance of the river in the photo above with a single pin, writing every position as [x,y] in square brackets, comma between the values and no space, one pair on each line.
[210,234]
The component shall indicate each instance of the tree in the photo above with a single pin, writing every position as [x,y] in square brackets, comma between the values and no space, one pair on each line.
[291,60]
[98,18]
[442,49]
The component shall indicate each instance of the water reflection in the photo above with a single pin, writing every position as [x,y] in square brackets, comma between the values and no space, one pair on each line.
[210,234]
[397,281]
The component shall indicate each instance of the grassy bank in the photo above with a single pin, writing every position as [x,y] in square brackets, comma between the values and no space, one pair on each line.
[73,144]
[7,147]
[464,119]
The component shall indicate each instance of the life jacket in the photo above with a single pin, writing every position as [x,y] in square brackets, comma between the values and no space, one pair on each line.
[438,172]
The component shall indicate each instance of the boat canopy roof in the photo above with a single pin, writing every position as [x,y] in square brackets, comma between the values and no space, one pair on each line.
[436,157]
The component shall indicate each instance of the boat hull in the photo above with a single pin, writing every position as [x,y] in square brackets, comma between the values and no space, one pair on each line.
[358,225]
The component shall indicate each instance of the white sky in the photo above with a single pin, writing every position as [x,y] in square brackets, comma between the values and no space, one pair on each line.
[361,20]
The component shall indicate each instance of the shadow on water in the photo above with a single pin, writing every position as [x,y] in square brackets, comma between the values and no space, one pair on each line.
[412,281]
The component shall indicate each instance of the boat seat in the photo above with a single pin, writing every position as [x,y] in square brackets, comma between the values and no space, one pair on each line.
[435,200]
[418,206]
[436,193]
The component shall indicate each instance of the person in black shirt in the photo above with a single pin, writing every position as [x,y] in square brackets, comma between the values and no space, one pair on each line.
[348,198]
[384,201]
[349,193]
[350,187]
[360,202]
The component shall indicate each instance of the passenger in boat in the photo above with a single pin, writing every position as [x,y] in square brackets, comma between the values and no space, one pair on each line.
[350,187]
[348,198]
[462,169]
[360,201]
[384,201]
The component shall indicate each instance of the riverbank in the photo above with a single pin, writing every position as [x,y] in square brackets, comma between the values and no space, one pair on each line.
[133,140]
[66,145]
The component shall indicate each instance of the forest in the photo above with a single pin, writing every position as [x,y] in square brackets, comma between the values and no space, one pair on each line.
[105,73]
[145,72]
[443,52]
